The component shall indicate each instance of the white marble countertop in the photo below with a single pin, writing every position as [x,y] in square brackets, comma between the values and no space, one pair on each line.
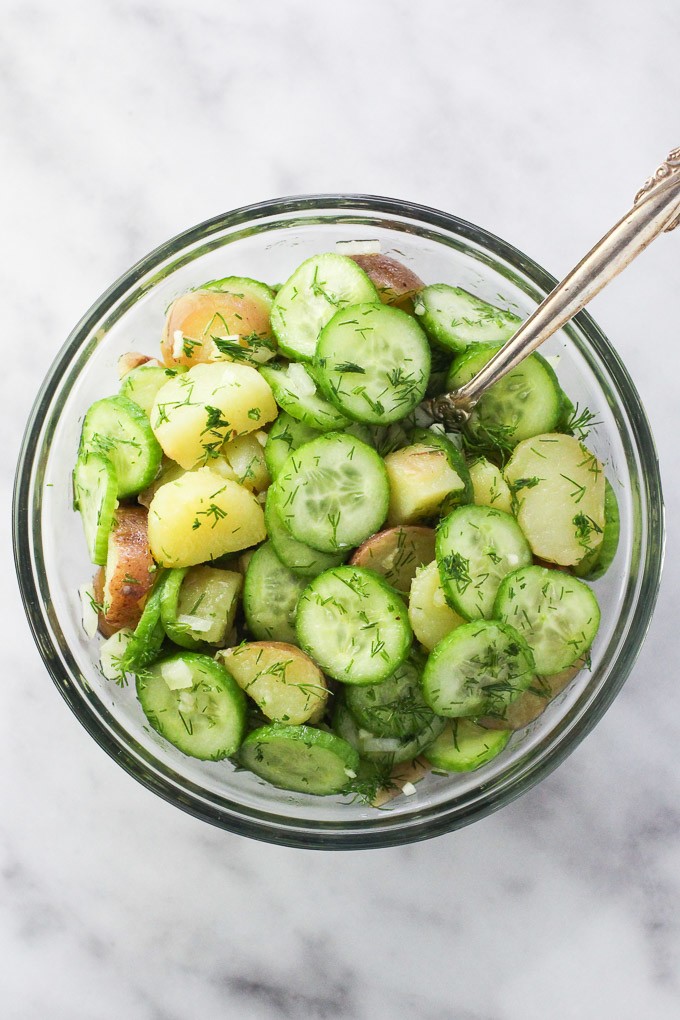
[123,123]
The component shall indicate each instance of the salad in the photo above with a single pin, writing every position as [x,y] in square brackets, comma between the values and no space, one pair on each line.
[299,572]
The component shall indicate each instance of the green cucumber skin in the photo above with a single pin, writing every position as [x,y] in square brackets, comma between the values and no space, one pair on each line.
[515,607]
[500,323]
[98,541]
[394,708]
[147,640]
[325,416]
[241,286]
[374,604]
[271,617]
[382,750]
[300,343]
[169,598]
[593,567]
[327,764]
[452,692]
[126,414]
[285,436]
[463,746]
[301,559]
[401,380]
[226,739]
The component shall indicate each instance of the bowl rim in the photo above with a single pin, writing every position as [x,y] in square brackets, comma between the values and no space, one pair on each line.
[301,832]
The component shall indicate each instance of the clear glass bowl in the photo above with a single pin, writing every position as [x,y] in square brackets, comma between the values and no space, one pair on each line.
[267,241]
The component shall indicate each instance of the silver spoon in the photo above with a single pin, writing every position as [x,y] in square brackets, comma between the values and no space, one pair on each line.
[656,208]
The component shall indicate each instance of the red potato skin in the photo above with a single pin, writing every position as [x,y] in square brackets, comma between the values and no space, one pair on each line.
[201,314]
[396,283]
[375,549]
[134,572]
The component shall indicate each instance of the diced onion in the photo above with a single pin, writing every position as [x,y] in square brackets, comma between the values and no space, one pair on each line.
[111,653]
[408,789]
[177,675]
[196,623]
[358,247]
[300,380]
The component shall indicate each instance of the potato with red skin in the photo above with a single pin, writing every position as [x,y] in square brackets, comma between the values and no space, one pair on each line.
[194,318]
[131,360]
[396,554]
[122,587]
[529,705]
[396,283]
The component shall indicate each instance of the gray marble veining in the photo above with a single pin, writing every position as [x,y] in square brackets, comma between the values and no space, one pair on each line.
[122,124]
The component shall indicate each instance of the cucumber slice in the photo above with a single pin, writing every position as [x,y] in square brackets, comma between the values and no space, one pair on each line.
[297,556]
[438,441]
[241,286]
[556,614]
[194,703]
[181,635]
[373,363]
[333,493]
[95,487]
[479,669]
[455,319]
[524,403]
[300,758]
[270,597]
[145,644]
[353,625]
[143,383]
[464,746]
[285,435]
[311,297]
[384,750]
[394,708]
[295,391]
[117,428]
[476,548]
[598,561]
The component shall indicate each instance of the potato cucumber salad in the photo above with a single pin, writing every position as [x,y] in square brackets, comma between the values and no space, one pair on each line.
[299,573]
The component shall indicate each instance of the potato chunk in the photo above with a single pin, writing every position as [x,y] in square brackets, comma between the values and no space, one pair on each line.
[558,490]
[285,683]
[421,478]
[395,283]
[195,413]
[396,554]
[195,318]
[429,613]
[489,487]
[201,516]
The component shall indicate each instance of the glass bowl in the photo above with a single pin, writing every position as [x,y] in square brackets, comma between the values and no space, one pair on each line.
[266,242]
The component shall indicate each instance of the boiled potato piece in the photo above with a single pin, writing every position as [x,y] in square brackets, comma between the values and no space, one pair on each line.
[532,702]
[195,413]
[201,516]
[245,457]
[121,588]
[133,359]
[395,283]
[241,315]
[429,613]
[558,487]
[285,684]
[420,478]
[396,554]
[489,487]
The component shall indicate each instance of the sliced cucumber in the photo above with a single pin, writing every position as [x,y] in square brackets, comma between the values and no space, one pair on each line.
[556,614]
[384,750]
[270,596]
[95,487]
[456,319]
[241,286]
[297,556]
[476,547]
[300,758]
[394,708]
[333,493]
[117,428]
[143,383]
[479,669]
[295,391]
[524,403]
[145,644]
[285,435]
[311,297]
[193,702]
[464,746]
[597,561]
[373,363]
[353,625]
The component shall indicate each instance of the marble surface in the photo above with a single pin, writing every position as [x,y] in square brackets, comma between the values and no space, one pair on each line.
[121,124]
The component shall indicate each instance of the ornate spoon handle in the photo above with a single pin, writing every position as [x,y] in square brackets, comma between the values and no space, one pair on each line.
[656,209]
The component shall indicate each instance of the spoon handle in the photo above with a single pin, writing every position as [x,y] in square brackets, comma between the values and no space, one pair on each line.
[656,209]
